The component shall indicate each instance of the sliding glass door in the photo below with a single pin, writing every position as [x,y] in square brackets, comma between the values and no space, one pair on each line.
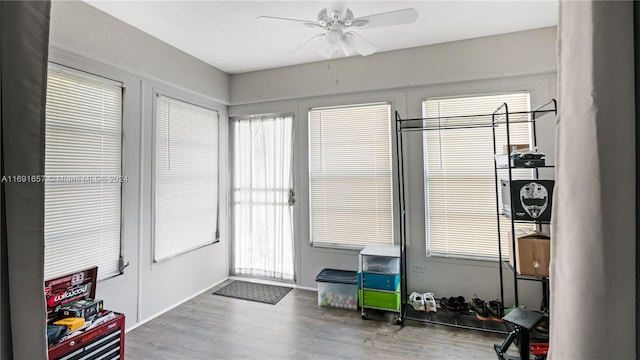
[263,197]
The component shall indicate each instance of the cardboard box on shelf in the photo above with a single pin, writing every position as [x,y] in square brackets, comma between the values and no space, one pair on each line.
[532,252]
[508,150]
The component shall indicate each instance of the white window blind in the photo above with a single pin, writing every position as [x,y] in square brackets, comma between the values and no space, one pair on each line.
[83,155]
[350,175]
[459,176]
[186,177]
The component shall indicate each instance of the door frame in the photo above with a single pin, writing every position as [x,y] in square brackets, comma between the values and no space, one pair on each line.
[294,208]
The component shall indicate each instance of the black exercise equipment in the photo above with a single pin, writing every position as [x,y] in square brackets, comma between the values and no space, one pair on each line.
[524,321]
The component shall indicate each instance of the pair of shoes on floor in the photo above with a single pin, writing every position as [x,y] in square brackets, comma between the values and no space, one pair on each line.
[493,310]
[423,302]
[454,303]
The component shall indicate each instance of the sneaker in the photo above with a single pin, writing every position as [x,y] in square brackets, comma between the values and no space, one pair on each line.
[495,310]
[417,301]
[479,307]
[429,302]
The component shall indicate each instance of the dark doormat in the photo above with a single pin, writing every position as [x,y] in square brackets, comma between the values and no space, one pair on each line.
[268,294]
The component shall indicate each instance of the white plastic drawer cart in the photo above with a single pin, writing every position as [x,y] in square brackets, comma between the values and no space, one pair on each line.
[379,279]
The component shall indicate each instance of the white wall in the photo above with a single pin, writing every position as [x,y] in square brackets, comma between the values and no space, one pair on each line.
[87,39]
[518,61]
[84,30]
[523,53]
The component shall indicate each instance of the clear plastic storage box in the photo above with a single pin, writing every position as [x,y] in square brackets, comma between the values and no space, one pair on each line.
[338,289]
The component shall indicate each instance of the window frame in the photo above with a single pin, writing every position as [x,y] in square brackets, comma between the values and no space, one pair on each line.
[392,175]
[486,257]
[184,98]
[72,66]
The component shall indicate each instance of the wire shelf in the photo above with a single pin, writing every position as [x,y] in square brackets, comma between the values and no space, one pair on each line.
[466,320]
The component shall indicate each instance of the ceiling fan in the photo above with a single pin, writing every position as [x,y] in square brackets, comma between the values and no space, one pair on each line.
[338,22]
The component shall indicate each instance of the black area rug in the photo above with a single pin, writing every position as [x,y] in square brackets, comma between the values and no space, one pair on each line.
[268,294]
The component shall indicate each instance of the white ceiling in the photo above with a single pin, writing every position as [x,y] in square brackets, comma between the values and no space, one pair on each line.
[226,34]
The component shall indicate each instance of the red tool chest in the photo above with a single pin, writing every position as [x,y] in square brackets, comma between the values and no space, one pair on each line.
[104,341]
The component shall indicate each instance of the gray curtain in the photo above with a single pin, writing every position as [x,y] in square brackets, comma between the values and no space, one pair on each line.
[636,40]
[593,263]
[24,41]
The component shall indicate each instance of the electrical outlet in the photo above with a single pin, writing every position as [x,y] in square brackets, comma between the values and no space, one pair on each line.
[418,268]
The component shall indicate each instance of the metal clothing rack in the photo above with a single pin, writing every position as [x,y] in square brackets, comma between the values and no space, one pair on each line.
[498,118]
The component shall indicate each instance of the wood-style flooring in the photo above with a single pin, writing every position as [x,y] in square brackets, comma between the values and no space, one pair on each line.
[217,327]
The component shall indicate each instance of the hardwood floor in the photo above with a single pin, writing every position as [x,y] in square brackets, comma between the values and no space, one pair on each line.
[217,327]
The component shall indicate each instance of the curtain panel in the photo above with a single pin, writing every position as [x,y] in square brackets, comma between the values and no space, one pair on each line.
[24,42]
[593,236]
[263,218]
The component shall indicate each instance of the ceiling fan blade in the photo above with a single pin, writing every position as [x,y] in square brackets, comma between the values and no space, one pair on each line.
[308,23]
[354,43]
[314,40]
[397,17]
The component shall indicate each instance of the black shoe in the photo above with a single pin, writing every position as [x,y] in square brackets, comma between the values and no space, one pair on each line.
[448,303]
[495,310]
[462,304]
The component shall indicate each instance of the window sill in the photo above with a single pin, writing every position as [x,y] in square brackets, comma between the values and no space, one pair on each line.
[327,246]
[463,260]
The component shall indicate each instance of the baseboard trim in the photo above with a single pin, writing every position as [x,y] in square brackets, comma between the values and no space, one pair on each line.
[262,281]
[307,288]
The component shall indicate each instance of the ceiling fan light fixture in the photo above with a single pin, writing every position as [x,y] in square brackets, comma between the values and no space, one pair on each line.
[348,18]
[332,40]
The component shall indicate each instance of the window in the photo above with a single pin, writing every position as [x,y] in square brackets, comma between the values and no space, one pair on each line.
[350,175]
[83,180]
[186,177]
[459,177]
